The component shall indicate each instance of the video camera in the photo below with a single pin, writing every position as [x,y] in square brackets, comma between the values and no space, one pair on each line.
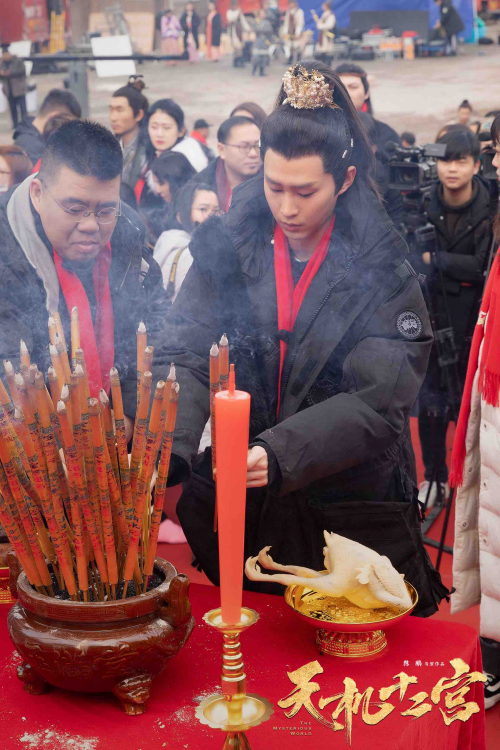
[412,169]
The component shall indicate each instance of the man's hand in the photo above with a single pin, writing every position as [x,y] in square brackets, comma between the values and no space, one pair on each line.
[257,466]
[426,257]
[129,427]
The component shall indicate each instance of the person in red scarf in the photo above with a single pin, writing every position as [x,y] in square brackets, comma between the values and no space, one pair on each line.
[476,473]
[355,79]
[239,158]
[67,240]
[329,333]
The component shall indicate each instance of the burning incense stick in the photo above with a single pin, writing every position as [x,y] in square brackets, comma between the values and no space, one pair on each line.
[75,335]
[105,502]
[140,430]
[94,525]
[57,365]
[52,330]
[143,488]
[214,388]
[60,330]
[224,362]
[142,342]
[161,482]
[79,485]
[121,442]
[24,354]
[11,380]
[109,435]
[63,354]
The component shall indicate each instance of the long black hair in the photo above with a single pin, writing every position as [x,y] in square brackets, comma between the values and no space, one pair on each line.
[174,168]
[334,133]
[349,69]
[169,107]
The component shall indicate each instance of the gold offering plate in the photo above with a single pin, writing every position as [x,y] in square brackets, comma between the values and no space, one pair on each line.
[338,613]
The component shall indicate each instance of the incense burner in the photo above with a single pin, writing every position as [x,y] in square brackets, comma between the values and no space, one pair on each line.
[116,646]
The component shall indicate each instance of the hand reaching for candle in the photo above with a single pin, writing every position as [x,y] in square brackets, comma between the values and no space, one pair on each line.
[257,467]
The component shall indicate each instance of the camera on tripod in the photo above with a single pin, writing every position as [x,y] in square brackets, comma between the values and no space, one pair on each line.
[412,169]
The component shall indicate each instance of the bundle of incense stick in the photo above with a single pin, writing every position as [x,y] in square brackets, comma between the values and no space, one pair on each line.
[219,380]
[81,519]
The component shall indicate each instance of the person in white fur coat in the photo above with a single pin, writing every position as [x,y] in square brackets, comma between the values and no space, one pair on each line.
[476,472]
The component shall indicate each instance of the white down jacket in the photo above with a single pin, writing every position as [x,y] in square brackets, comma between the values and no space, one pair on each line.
[476,558]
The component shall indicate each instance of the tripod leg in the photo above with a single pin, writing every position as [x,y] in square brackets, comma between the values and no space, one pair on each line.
[445,528]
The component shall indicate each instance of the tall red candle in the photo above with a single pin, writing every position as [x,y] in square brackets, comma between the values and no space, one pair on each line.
[232,421]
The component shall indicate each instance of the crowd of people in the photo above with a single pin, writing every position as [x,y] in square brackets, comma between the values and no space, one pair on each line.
[264,239]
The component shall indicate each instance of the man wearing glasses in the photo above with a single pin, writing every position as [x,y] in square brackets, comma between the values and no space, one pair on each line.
[239,158]
[67,240]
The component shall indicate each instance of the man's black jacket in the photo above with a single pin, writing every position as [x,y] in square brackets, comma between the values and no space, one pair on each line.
[27,137]
[350,378]
[136,292]
[195,27]
[450,19]
[208,175]
[462,257]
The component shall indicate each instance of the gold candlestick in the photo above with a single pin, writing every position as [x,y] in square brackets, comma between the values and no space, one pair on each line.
[235,711]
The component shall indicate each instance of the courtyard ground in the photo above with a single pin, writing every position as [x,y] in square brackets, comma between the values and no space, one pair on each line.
[418,95]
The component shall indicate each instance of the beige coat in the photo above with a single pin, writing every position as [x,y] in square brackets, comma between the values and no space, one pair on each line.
[476,559]
[325,26]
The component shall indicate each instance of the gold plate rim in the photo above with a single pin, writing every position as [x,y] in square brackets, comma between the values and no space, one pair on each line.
[289,599]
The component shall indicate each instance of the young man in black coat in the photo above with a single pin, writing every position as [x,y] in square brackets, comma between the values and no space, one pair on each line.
[55,228]
[459,209]
[332,391]
[28,135]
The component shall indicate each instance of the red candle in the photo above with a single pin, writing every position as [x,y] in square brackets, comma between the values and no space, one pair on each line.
[232,420]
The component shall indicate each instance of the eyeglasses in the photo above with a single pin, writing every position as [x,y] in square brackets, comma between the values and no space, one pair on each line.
[79,212]
[245,148]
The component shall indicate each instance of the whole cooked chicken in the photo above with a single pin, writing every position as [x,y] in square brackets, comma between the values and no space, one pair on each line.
[366,578]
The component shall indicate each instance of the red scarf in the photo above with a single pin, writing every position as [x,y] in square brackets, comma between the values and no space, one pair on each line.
[139,187]
[224,192]
[289,298]
[98,345]
[489,368]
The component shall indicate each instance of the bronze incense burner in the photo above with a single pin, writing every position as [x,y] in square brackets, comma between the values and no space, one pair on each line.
[113,646]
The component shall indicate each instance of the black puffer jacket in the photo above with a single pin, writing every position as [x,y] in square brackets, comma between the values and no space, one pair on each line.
[462,257]
[27,137]
[340,446]
[136,292]
[450,19]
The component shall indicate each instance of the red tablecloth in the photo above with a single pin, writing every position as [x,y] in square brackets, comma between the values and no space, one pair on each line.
[277,644]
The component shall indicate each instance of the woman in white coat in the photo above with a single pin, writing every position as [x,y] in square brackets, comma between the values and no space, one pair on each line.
[476,472]
[293,31]
[325,47]
[194,203]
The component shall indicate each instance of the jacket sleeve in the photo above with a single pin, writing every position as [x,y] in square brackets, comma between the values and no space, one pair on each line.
[382,376]
[154,309]
[190,329]
[467,267]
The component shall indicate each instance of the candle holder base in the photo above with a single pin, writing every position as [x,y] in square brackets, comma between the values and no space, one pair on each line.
[214,712]
[235,711]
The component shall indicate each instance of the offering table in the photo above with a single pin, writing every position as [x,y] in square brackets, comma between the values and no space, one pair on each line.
[279,643]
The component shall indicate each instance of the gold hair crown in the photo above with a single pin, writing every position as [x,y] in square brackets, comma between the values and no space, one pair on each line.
[306,89]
